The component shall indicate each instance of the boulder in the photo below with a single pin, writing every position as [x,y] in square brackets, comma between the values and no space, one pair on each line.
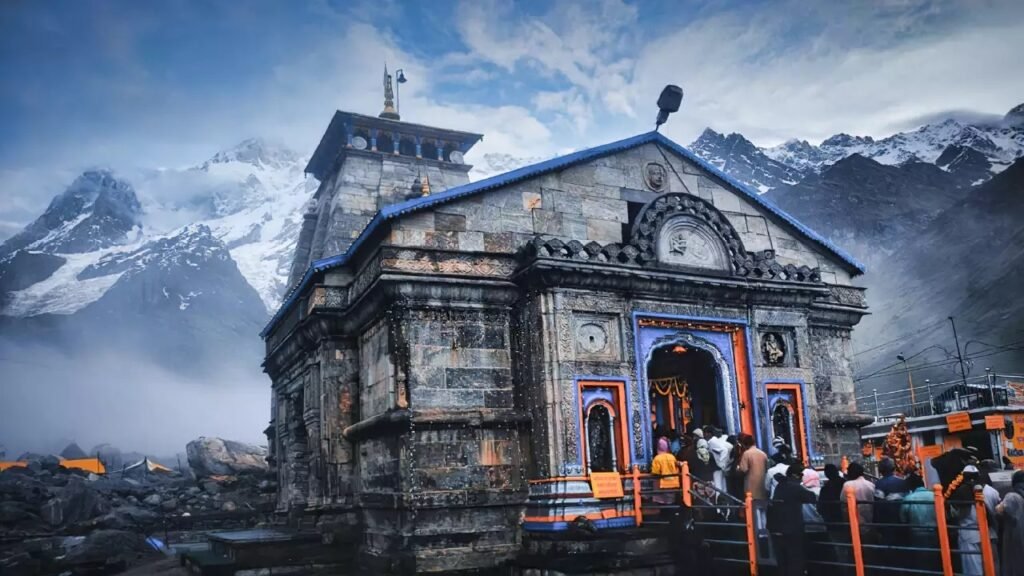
[152,500]
[110,548]
[76,502]
[127,518]
[218,457]
[72,452]
[169,504]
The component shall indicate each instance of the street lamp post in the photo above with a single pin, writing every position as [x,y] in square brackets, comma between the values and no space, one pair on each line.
[910,381]
[399,80]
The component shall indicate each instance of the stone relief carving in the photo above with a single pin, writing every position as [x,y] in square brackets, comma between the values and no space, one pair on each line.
[591,338]
[773,349]
[596,336]
[655,176]
[685,241]
[704,237]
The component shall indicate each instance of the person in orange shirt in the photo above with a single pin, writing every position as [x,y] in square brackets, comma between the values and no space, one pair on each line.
[664,465]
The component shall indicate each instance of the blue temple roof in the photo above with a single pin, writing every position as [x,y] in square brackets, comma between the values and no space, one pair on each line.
[526,172]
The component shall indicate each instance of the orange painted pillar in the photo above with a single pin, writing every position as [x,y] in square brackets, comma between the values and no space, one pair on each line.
[851,512]
[685,482]
[988,560]
[748,506]
[940,522]
[638,514]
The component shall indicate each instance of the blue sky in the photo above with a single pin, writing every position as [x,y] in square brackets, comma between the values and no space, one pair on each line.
[131,84]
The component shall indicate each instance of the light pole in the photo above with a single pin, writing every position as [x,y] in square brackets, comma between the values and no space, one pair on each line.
[959,356]
[399,80]
[910,381]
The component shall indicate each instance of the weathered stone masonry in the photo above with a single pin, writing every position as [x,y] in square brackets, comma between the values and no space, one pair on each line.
[423,378]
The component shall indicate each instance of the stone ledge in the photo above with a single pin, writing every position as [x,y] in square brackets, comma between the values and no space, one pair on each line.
[400,420]
[845,419]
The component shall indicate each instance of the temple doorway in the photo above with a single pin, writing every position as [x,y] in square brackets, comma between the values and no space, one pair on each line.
[683,390]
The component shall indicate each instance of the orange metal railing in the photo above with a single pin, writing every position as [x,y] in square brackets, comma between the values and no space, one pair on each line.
[742,516]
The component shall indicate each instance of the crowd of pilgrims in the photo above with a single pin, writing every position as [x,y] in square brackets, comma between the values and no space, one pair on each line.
[808,513]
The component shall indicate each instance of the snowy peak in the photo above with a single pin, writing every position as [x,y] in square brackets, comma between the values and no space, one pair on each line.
[255,152]
[493,163]
[190,247]
[1015,117]
[843,140]
[96,211]
[983,149]
[738,157]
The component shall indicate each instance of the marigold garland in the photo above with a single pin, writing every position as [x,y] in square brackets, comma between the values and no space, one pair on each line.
[954,485]
[899,447]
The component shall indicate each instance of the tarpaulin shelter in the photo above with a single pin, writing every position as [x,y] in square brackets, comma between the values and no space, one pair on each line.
[88,464]
[145,467]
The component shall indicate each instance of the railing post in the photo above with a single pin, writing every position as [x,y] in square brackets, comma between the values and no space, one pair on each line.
[851,512]
[931,401]
[988,560]
[686,483]
[638,515]
[874,392]
[940,521]
[748,506]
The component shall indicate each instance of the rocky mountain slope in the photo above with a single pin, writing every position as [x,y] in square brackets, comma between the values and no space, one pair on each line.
[934,213]
[971,151]
[188,266]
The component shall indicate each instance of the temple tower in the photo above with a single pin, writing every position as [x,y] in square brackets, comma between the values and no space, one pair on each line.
[366,163]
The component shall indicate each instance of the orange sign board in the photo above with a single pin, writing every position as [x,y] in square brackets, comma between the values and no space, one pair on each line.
[926,452]
[994,422]
[958,421]
[606,484]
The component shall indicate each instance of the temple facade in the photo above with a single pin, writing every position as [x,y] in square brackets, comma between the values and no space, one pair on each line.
[454,356]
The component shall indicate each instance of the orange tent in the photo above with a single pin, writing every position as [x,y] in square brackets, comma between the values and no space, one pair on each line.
[12,464]
[88,464]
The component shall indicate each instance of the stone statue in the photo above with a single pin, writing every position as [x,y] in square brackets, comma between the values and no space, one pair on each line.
[774,350]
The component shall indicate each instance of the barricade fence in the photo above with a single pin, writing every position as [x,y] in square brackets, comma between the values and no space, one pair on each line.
[739,531]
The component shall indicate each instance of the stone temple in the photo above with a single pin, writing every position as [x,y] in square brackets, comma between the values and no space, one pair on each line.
[455,359]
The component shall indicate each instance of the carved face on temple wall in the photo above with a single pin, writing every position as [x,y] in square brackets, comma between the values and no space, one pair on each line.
[655,177]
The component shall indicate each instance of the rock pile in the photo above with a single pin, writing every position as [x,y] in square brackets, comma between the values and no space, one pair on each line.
[54,519]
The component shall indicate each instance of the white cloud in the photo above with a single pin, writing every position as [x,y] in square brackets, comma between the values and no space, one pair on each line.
[576,75]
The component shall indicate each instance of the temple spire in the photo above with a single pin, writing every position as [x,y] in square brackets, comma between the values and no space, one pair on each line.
[389,98]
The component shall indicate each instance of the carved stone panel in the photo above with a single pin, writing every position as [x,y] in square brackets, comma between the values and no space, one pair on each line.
[686,241]
[655,176]
[596,336]
[777,347]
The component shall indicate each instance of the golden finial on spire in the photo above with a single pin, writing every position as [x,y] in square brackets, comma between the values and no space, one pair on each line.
[426,185]
[389,98]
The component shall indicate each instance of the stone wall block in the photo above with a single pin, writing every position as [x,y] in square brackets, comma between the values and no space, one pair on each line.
[605,209]
[477,378]
[603,231]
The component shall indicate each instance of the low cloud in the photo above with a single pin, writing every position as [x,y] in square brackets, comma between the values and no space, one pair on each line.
[50,398]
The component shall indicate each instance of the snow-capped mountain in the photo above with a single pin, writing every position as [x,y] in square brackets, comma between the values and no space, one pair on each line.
[259,193]
[738,157]
[96,211]
[971,151]
[494,163]
[999,143]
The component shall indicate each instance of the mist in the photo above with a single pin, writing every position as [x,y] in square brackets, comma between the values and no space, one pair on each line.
[48,398]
